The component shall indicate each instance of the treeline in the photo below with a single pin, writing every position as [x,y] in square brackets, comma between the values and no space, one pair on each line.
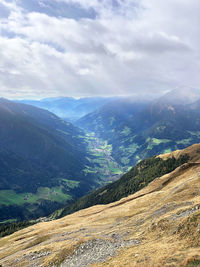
[134,180]
[10,228]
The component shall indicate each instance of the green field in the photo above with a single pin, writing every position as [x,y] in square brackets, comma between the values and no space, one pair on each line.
[10,197]
[155,142]
[104,165]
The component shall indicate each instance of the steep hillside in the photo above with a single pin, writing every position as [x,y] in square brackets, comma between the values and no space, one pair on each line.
[166,124]
[105,120]
[157,226]
[68,107]
[42,161]
[134,180]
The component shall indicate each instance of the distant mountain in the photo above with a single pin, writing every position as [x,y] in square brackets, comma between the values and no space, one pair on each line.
[140,130]
[70,108]
[106,120]
[181,96]
[42,161]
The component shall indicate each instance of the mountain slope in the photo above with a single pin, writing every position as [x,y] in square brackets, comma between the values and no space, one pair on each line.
[157,226]
[166,124]
[111,122]
[134,180]
[42,161]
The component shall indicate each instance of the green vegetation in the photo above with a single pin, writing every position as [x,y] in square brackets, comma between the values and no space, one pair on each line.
[42,162]
[71,184]
[126,131]
[137,178]
[103,165]
[155,142]
[8,229]
[140,130]
[193,263]
[10,197]
[184,141]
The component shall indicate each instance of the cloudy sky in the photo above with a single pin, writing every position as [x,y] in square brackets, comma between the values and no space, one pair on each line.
[98,47]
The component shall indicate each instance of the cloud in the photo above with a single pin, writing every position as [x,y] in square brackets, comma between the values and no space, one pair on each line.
[127,47]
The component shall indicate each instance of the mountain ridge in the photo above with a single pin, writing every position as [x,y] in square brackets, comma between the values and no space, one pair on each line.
[69,108]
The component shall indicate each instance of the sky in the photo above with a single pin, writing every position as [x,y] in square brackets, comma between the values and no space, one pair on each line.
[83,48]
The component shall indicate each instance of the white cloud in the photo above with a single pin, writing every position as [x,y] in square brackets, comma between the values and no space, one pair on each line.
[131,46]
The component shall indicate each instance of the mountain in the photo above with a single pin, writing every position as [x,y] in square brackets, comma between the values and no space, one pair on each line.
[168,123]
[134,180]
[42,161]
[109,117]
[69,108]
[111,123]
[181,96]
[156,226]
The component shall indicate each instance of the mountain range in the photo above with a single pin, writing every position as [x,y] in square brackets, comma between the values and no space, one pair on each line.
[69,108]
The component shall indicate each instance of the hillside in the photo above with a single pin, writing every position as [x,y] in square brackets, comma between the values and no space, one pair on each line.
[156,226]
[132,181]
[42,162]
[139,131]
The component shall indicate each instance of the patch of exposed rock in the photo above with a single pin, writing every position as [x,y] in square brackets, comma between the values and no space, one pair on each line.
[97,250]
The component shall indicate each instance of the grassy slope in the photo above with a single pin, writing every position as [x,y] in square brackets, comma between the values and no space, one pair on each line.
[137,178]
[163,217]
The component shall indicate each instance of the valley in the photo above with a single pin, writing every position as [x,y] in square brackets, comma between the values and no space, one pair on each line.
[42,162]
[99,133]
[104,165]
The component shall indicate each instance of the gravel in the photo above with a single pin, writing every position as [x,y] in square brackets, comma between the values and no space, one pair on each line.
[97,250]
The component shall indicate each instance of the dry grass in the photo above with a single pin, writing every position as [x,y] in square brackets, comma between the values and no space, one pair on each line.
[38,240]
[152,215]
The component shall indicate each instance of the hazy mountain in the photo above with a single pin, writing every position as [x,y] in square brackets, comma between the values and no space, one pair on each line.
[106,120]
[182,96]
[70,108]
[140,130]
[156,226]
[42,161]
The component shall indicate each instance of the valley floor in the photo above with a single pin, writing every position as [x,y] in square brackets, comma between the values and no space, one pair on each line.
[105,166]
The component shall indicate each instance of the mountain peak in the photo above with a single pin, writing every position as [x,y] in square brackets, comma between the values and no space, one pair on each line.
[183,95]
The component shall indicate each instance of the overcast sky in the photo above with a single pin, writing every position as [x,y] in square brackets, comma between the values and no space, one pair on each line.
[98,47]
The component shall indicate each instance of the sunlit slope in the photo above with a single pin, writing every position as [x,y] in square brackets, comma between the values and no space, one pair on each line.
[157,226]
[135,179]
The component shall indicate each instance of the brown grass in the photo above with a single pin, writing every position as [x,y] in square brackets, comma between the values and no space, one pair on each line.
[38,240]
[147,215]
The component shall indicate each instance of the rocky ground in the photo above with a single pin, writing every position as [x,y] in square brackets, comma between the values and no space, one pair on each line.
[97,250]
